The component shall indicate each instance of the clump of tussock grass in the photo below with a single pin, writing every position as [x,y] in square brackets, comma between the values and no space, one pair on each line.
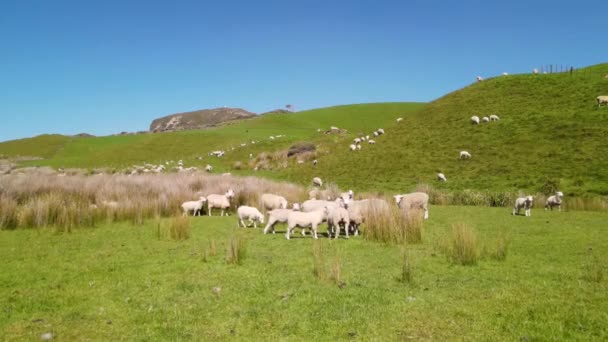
[326,266]
[413,225]
[389,224]
[209,251]
[235,250]
[497,248]
[237,165]
[593,268]
[179,228]
[462,248]
[406,275]
[8,213]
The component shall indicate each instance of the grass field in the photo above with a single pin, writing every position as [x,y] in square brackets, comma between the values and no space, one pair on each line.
[124,282]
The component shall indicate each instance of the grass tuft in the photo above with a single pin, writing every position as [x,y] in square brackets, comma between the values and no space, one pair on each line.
[463,248]
[236,250]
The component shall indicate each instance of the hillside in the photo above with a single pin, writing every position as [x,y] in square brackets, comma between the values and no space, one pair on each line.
[198,119]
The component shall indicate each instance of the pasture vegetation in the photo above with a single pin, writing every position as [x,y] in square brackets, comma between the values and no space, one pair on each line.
[120,281]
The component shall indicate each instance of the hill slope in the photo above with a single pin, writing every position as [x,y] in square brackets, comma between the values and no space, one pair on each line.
[198,119]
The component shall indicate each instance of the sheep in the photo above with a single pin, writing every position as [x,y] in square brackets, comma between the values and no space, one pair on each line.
[359,210]
[465,155]
[399,119]
[219,201]
[250,213]
[296,206]
[415,200]
[555,201]
[352,147]
[359,147]
[195,206]
[505,74]
[535,71]
[337,218]
[371,142]
[602,99]
[523,202]
[208,168]
[367,137]
[300,161]
[277,216]
[479,78]
[475,120]
[441,177]
[272,201]
[317,182]
[380,131]
[226,174]
[304,220]
[376,133]
[494,117]
[315,162]
[485,119]
[357,141]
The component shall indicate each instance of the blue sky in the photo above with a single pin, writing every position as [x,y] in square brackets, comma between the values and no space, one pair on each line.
[109,66]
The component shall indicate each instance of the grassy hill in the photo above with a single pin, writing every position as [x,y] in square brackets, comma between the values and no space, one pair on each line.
[551,133]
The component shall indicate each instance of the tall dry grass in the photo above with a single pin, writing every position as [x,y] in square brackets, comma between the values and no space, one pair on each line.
[463,249]
[37,198]
[389,224]
[327,263]
[235,250]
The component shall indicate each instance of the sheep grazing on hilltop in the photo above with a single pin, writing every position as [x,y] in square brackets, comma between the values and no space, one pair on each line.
[249,213]
[475,120]
[317,182]
[555,201]
[220,201]
[376,133]
[352,147]
[485,119]
[357,141]
[399,119]
[380,131]
[441,177]
[505,74]
[535,71]
[305,220]
[195,206]
[479,78]
[523,202]
[272,201]
[371,142]
[465,155]
[415,200]
[337,219]
[359,147]
[602,100]
[208,168]
[494,117]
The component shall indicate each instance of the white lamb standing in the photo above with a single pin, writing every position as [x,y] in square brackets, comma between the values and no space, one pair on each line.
[535,71]
[352,147]
[555,201]
[371,142]
[272,201]
[523,202]
[602,99]
[357,140]
[485,119]
[337,218]
[494,117]
[505,74]
[376,133]
[380,131]
[195,206]
[441,177]
[479,78]
[359,147]
[220,201]
[475,120]
[277,216]
[208,168]
[465,155]
[415,200]
[249,213]
[305,220]
[317,182]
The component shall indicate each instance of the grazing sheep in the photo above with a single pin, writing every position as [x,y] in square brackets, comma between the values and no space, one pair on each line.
[399,119]
[475,120]
[296,206]
[277,216]
[272,201]
[485,119]
[523,202]
[367,137]
[359,147]
[505,74]
[371,142]
[535,71]
[380,131]
[465,155]
[195,206]
[603,99]
[337,218]
[376,133]
[357,141]
[479,78]
[494,117]
[300,161]
[415,200]
[359,210]
[317,182]
[555,201]
[208,168]
[441,177]
[315,162]
[249,213]
[352,147]
[220,201]
[313,204]
[305,220]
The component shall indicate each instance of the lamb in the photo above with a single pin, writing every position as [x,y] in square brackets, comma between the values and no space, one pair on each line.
[315,162]
[219,201]
[441,177]
[475,120]
[317,182]
[485,119]
[250,213]
[367,137]
[415,200]
[272,201]
[337,218]
[465,155]
[371,142]
[494,117]
[277,216]
[555,201]
[208,168]
[380,131]
[602,99]
[479,78]
[535,71]
[357,140]
[523,202]
[195,206]
[376,133]
[399,119]
[352,147]
[304,220]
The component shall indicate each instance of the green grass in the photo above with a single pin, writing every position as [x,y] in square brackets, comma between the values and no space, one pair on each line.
[43,146]
[123,282]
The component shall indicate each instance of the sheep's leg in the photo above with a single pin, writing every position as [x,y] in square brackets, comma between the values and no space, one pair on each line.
[345,229]
[289,229]
[242,223]
[209,210]
[270,224]
[559,208]
[251,223]
[314,232]
[426,212]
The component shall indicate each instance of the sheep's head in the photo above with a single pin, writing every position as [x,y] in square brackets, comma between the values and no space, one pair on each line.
[296,206]
[230,193]
[398,198]
[202,199]
[529,199]
[559,194]
[261,218]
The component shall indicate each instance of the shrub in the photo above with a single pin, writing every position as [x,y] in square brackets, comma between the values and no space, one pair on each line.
[300,147]
[463,245]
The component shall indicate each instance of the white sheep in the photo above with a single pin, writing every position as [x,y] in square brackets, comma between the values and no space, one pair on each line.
[523,202]
[376,133]
[357,141]
[555,201]
[220,201]
[485,119]
[208,168]
[317,182]
[505,74]
[226,174]
[441,177]
[315,162]
[479,78]
[399,119]
[475,120]
[359,147]
[415,200]
[535,71]
[195,206]
[602,99]
[367,137]
[352,147]
[250,155]
[272,201]
[305,220]
[380,131]
[371,141]
[494,117]
[277,216]
[249,213]
[465,155]
[300,161]
[337,218]
[359,210]
[296,206]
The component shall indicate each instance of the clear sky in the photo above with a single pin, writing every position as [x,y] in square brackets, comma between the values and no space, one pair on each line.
[103,67]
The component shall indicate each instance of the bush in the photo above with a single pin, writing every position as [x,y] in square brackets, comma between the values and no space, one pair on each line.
[463,245]
[300,147]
